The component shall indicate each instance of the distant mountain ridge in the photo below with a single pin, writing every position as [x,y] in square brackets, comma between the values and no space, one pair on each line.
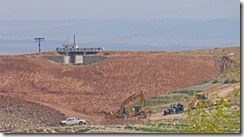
[156,34]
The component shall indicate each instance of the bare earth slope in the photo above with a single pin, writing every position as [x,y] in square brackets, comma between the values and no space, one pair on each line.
[87,91]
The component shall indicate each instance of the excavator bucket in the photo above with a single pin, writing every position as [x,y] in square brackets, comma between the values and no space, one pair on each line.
[110,116]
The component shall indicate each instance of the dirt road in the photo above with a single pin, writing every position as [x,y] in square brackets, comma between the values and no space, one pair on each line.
[223,90]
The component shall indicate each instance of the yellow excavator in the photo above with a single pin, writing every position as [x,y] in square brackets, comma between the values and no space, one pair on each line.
[126,110]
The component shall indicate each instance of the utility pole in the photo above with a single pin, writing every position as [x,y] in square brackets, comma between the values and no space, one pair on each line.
[39,40]
[74,40]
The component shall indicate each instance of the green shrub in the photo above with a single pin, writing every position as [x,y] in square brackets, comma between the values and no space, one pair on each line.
[129,127]
[234,81]
[146,129]
[188,92]
[230,81]
[150,103]
[215,81]
[162,124]
[206,81]
[227,81]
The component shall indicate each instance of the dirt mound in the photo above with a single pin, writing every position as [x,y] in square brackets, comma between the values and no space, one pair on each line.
[90,90]
[20,114]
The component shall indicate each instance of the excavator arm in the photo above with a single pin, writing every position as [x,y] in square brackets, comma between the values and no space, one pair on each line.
[124,107]
[131,99]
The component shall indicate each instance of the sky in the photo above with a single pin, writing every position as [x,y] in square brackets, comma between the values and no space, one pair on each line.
[115,24]
[118,9]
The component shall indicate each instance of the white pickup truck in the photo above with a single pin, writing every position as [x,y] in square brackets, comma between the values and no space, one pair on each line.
[72,121]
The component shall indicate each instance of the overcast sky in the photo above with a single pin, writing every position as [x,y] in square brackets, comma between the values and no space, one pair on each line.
[118,9]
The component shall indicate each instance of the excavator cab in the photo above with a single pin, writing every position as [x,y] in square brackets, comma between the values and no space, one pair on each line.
[200,99]
[124,111]
[201,96]
[137,108]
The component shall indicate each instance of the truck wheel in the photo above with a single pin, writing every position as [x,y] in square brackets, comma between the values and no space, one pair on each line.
[63,124]
[81,123]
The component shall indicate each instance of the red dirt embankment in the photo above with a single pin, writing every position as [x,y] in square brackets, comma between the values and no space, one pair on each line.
[86,91]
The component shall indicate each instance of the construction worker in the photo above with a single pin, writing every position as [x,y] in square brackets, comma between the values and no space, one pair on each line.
[174,108]
[171,108]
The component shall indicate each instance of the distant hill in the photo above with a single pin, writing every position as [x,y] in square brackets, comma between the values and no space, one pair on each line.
[157,34]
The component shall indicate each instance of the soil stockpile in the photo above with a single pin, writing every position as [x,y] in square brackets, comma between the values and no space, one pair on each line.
[16,113]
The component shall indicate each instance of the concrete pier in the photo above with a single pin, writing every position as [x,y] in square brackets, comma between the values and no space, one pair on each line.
[76,59]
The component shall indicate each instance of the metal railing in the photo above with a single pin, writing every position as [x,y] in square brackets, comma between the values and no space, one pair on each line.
[74,51]
[79,49]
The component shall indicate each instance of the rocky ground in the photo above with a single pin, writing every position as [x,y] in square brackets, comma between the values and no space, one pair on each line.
[20,114]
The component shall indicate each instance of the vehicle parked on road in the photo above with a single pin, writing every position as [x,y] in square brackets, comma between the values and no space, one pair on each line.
[72,121]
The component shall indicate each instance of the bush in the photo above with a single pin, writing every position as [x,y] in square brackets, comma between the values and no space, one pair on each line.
[234,81]
[129,127]
[206,81]
[215,81]
[230,81]
[189,92]
[150,103]
[227,81]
